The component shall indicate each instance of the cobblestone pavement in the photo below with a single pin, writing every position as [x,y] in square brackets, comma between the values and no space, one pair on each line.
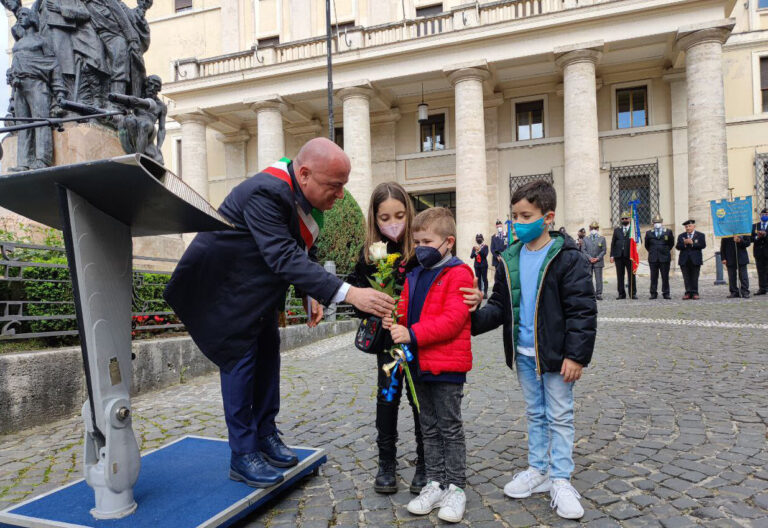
[670,427]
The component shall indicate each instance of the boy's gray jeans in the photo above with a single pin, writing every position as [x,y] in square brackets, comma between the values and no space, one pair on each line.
[445,452]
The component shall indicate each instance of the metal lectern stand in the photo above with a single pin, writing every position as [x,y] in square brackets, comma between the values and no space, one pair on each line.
[99,206]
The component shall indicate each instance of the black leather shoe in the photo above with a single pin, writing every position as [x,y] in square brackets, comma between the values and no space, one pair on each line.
[652,297]
[620,297]
[386,478]
[745,295]
[634,297]
[666,296]
[760,292]
[599,297]
[276,452]
[419,478]
[253,470]
[733,296]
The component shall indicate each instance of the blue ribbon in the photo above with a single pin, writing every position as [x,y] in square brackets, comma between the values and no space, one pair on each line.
[389,392]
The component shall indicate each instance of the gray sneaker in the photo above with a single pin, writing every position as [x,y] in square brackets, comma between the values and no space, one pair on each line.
[454,502]
[525,483]
[431,497]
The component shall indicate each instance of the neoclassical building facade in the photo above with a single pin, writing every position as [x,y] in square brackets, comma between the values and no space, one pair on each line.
[663,101]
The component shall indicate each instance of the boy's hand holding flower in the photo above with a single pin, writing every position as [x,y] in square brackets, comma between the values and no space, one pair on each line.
[387,322]
[400,334]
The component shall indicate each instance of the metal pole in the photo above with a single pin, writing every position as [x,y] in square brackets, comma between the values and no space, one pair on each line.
[718,269]
[331,126]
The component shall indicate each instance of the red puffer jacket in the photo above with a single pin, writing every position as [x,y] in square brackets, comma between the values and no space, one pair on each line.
[443,333]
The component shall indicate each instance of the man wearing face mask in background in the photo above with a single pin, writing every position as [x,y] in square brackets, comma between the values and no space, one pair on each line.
[760,251]
[621,257]
[498,243]
[659,242]
[480,257]
[689,246]
[594,248]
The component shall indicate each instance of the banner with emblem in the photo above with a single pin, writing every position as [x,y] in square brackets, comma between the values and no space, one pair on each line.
[732,217]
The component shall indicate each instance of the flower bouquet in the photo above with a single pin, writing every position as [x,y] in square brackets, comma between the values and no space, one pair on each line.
[389,268]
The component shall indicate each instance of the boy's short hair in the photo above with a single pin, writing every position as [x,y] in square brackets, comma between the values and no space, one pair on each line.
[539,193]
[437,219]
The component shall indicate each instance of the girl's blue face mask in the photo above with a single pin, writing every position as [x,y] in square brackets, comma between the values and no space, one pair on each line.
[531,231]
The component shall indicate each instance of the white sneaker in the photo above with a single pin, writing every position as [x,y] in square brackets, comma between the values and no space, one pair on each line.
[565,500]
[527,482]
[431,497]
[454,502]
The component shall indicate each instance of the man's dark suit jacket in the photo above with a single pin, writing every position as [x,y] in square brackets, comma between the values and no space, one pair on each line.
[728,251]
[690,254]
[760,249]
[659,248]
[620,243]
[226,281]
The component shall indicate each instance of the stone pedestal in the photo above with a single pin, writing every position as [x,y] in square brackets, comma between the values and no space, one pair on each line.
[472,212]
[357,142]
[77,144]
[581,145]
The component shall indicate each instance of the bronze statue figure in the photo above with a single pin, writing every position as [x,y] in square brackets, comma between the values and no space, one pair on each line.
[137,130]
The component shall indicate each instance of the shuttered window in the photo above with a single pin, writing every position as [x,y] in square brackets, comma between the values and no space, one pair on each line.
[764,81]
[182,5]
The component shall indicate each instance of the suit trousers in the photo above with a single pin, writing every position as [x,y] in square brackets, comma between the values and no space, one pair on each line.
[251,390]
[691,278]
[624,265]
[657,267]
[481,272]
[743,279]
[762,273]
[597,274]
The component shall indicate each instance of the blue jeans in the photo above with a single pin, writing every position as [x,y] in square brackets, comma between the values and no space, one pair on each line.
[549,411]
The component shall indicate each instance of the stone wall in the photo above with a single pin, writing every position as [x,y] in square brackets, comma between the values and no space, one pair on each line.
[44,386]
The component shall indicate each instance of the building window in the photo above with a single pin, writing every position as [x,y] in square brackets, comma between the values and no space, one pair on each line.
[432,134]
[447,199]
[267,42]
[529,118]
[338,136]
[762,4]
[182,5]
[632,107]
[635,182]
[429,10]
[764,81]
[761,180]
[177,156]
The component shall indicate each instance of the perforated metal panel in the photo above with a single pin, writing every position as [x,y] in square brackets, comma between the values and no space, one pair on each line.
[635,182]
[518,181]
[761,180]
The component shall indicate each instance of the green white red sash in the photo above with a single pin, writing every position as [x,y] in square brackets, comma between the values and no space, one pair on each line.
[310,223]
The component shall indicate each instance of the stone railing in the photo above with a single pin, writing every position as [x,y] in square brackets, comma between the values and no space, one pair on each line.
[462,17]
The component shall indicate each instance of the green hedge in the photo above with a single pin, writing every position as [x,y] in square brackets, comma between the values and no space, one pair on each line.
[47,290]
[343,235]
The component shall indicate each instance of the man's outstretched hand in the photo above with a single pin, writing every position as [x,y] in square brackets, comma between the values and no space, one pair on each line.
[370,301]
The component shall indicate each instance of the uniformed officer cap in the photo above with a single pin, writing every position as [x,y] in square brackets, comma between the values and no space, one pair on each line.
[689,221]
[498,222]
[657,219]
[626,214]
[764,211]
[594,225]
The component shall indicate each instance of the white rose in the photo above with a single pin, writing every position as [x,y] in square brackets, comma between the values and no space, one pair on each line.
[378,251]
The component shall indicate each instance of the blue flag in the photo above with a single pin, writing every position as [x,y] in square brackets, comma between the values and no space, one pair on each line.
[732,218]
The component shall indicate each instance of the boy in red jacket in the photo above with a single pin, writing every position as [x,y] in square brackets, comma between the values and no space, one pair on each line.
[434,322]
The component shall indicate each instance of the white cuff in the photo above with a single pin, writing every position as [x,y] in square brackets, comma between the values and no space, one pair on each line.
[341,294]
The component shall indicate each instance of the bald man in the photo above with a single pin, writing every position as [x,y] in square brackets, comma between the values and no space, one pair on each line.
[229,286]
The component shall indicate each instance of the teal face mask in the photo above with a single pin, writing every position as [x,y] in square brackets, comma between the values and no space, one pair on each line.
[529,232]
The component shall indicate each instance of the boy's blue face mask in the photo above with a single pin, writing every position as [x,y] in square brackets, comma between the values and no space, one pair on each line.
[531,231]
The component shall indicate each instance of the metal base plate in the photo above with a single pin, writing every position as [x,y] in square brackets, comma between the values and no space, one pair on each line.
[184,484]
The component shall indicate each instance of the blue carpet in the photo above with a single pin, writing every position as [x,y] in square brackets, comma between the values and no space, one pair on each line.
[181,485]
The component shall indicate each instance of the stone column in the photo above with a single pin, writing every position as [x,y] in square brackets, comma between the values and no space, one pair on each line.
[679,99]
[472,212]
[194,154]
[234,157]
[271,139]
[581,149]
[707,146]
[357,142]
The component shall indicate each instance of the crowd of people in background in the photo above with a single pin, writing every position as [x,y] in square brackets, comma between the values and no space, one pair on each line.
[659,243]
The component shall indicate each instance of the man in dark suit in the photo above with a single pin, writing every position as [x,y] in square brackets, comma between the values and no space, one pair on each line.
[760,251]
[689,246]
[621,257]
[498,243]
[230,285]
[733,252]
[659,242]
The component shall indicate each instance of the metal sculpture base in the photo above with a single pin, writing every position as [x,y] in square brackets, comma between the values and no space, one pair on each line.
[100,205]
[184,484]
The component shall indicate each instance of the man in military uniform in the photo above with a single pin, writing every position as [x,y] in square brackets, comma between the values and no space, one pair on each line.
[594,248]
[733,251]
[689,246]
[498,243]
[659,242]
[760,251]
[620,255]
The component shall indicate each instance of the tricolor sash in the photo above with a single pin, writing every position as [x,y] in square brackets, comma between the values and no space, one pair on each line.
[310,223]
